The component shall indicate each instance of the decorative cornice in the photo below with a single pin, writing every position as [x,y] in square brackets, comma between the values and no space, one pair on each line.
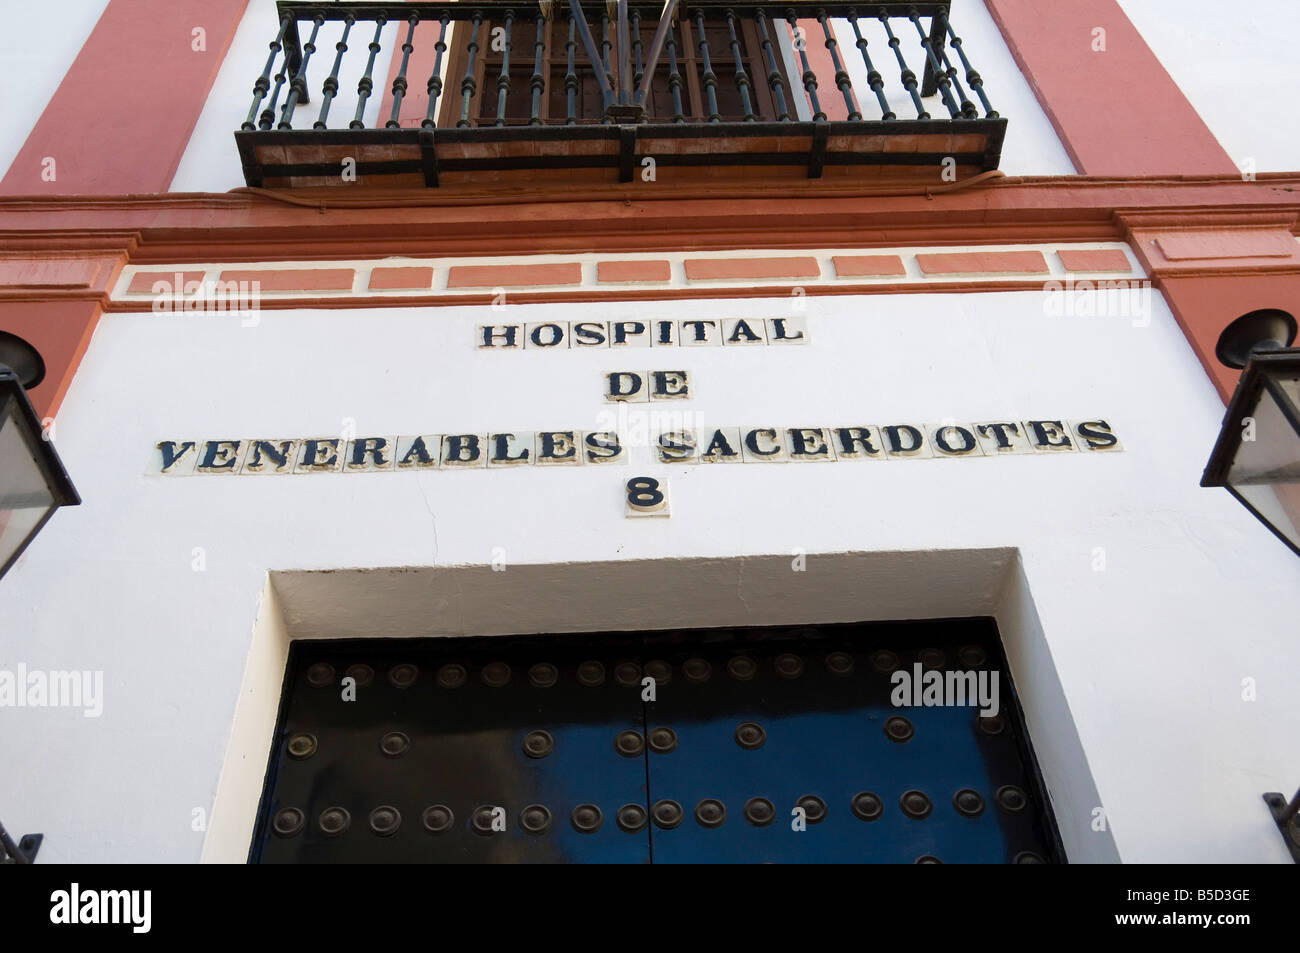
[243,226]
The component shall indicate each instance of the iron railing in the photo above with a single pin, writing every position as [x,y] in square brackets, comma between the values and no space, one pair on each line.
[505,73]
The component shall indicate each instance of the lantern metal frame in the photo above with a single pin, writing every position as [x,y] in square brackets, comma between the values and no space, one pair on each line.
[1260,377]
[1287,817]
[1260,342]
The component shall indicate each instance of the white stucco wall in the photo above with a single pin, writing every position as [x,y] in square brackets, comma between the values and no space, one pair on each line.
[1238,69]
[37,46]
[1150,650]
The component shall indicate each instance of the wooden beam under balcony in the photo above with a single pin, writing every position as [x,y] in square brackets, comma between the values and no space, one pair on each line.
[741,153]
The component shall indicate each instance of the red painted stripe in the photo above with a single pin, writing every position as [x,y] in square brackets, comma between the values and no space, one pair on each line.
[829,96]
[61,331]
[1205,305]
[1117,111]
[419,67]
[122,117]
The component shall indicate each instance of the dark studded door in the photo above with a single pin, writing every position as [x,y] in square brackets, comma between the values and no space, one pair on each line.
[778,745]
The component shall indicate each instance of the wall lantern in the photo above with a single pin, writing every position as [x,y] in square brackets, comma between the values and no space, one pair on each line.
[1257,456]
[33,483]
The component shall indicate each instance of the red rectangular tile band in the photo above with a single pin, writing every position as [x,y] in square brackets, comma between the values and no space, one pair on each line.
[297,279]
[122,117]
[1116,109]
[143,282]
[1094,259]
[867,266]
[629,271]
[984,263]
[401,279]
[514,276]
[722,269]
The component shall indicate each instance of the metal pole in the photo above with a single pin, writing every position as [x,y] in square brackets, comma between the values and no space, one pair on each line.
[1291,810]
[624,54]
[597,66]
[656,47]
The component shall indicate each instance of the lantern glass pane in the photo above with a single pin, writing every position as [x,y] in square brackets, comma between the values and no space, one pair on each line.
[1265,472]
[25,497]
[1291,387]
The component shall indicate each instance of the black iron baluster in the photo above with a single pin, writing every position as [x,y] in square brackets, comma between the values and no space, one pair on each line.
[945,83]
[435,78]
[538,83]
[841,74]
[710,80]
[972,77]
[399,84]
[809,77]
[637,63]
[774,81]
[599,66]
[742,77]
[268,115]
[293,50]
[298,88]
[263,83]
[968,110]
[503,80]
[366,85]
[624,55]
[645,74]
[909,78]
[331,86]
[874,78]
[571,77]
[469,85]
[606,42]
[267,119]
[674,77]
[929,80]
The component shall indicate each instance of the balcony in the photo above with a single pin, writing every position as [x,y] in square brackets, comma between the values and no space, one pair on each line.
[500,93]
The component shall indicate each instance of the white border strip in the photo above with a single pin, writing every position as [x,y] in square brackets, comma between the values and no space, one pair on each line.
[677,271]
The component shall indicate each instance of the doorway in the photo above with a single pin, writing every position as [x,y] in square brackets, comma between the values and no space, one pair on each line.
[781,744]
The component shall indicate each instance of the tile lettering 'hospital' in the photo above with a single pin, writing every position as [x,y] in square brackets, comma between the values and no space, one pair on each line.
[703,332]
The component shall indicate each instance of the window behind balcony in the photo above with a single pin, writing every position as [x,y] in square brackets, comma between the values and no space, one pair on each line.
[588,99]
